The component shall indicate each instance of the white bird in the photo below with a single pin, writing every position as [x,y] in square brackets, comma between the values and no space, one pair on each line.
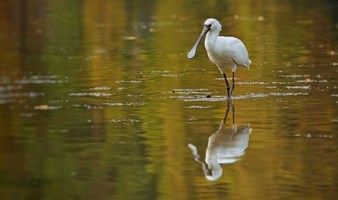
[222,51]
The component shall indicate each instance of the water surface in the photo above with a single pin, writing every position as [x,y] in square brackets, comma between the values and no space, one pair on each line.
[98,101]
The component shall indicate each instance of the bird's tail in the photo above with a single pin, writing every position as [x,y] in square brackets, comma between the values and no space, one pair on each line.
[248,65]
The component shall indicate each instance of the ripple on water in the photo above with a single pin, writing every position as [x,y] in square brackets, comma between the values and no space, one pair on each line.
[198,107]
[11,97]
[294,76]
[126,121]
[129,81]
[299,87]
[90,94]
[315,136]
[46,107]
[15,89]
[125,104]
[292,88]
[223,98]
[285,94]
[209,98]
[191,91]
[41,79]
[100,88]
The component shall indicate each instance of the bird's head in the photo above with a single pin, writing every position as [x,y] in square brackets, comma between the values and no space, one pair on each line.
[212,25]
[209,25]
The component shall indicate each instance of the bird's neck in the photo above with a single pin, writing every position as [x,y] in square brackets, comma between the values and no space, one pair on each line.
[210,40]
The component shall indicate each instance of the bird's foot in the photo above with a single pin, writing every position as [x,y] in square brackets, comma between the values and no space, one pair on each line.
[229,98]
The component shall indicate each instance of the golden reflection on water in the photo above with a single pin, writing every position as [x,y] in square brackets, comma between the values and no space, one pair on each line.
[98,100]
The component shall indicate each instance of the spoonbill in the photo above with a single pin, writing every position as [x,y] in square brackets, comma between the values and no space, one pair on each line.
[222,51]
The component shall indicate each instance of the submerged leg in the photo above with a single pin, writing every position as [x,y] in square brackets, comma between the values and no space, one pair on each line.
[233,82]
[233,113]
[226,113]
[228,86]
[234,126]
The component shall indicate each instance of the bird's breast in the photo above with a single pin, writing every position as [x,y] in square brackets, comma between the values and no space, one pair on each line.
[219,58]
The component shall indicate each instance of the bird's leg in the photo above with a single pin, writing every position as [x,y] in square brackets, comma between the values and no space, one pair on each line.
[226,112]
[233,82]
[233,113]
[234,126]
[227,83]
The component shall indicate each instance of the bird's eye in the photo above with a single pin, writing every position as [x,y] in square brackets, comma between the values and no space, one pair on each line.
[208,26]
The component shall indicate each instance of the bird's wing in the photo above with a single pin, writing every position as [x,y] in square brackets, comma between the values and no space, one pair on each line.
[237,51]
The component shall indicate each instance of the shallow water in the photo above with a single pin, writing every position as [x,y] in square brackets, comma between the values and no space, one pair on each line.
[98,101]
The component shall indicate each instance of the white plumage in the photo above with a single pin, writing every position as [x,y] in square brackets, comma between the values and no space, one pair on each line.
[222,51]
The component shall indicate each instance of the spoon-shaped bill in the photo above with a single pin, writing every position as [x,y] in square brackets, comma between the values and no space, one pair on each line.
[192,52]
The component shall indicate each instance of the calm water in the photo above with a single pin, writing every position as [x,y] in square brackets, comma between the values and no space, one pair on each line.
[98,101]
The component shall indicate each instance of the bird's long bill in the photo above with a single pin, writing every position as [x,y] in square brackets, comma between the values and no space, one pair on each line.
[192,52]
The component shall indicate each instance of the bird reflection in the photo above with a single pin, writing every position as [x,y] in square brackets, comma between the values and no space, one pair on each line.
[225,146]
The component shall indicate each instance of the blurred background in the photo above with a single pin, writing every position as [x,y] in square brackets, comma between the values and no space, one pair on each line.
[99,101]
